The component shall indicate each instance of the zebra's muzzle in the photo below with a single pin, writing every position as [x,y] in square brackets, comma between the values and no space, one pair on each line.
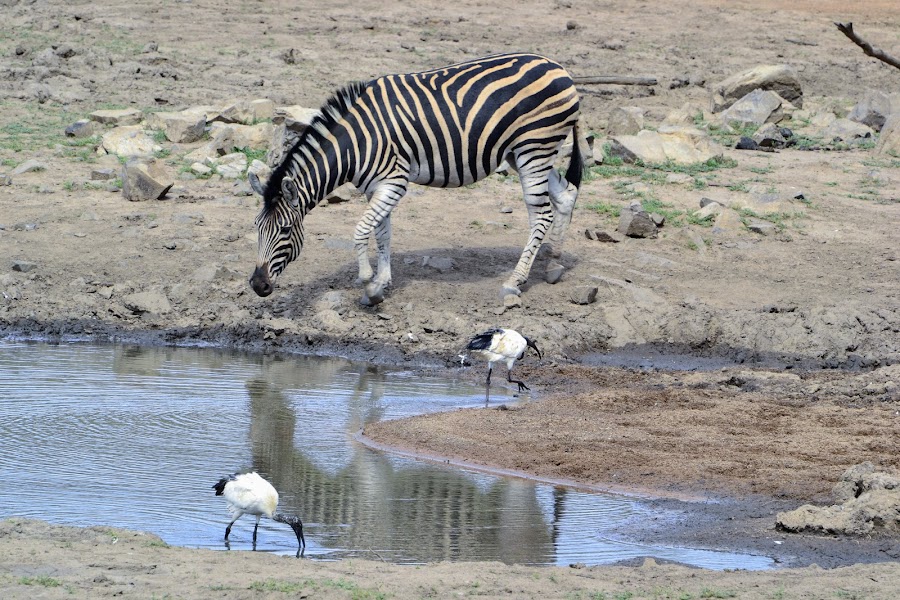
[260,281]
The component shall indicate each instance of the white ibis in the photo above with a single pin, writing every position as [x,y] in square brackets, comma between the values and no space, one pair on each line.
[500,344]
[248,493]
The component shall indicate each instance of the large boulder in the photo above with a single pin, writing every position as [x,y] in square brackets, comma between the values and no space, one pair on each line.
[145,180]
[129,141]
[889,140]
[873,110]
[179,127]
[756,108]
[681,145]
[781,79]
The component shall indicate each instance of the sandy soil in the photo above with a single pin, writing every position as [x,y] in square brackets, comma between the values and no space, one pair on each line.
[768,431]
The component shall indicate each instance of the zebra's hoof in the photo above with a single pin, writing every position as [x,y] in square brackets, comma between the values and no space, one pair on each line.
[373,299]
[507,290]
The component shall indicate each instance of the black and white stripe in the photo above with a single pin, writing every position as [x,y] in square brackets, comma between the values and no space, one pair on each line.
[446,128]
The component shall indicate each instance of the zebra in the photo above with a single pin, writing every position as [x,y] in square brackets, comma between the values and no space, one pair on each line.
[446,127]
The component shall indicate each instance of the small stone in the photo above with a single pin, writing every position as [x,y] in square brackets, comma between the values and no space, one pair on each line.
[505,210]
[152,302]
[658,219]
[342,194]
[5,179]
[746,143]
[637,223]
[511,301]
[583,294]
[439,263]
[554,273]
[200,169]
[103,174]
[29,166]
[128,116]
[610,237]
[761,227]
[83,128]
[589,234]
[23,266]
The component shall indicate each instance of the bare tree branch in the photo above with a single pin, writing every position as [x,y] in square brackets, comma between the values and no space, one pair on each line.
[847,29]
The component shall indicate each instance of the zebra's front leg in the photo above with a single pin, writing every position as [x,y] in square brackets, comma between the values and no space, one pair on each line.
[377,219]
[540,216]
[375,289]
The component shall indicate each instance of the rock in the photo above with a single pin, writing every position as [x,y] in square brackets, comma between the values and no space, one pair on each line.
[684,116]
[439,263]
[681,145]
[862,478]
[210,273]
[847,131]
[761,227]
[332,321]
[679,178]
[29,166]
[658,219]
[635,222]
[869,502]
[290,123]
[728,221]
[583,294]
[256,137]
[129,141]
[554,272]
[247,112]
[889,140]
[780,79]
[511,301]
[708,210]
[873,110]
[771,136]
[5,179]
[200,169]
[127,116]
[612,237]
[232,166]
[103,174]
[746,143]
[83,128]
[179,127]
[23,266]
[145,180]
[153,302]
[625,120]
[756,108]
[261,170]
[342,194]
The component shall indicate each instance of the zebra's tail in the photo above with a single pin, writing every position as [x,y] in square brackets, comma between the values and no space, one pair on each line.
[576,162]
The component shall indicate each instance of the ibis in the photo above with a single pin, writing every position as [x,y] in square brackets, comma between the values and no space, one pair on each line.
[250,494]
[499,344]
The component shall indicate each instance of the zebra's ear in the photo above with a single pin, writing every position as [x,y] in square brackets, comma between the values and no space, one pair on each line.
[290,192]
[255,184]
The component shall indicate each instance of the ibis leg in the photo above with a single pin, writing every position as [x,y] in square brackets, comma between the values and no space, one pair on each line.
[521,384]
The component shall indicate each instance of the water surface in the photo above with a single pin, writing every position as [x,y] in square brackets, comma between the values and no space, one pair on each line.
[135,437]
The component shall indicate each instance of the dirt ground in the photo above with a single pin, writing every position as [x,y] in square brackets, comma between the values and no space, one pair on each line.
[801,326]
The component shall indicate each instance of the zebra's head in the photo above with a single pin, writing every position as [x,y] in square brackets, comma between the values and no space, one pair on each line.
[280,229]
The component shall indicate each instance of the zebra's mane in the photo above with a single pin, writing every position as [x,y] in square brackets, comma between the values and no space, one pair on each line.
[330,113]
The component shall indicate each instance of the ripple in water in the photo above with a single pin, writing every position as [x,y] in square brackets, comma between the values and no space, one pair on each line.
[135,437]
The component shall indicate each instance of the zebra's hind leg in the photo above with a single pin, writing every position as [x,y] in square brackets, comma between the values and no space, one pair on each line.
[562,196]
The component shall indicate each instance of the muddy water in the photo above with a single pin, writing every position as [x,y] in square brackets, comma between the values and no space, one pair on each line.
[135,437]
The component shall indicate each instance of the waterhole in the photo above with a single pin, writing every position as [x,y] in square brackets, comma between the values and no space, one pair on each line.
[135,437]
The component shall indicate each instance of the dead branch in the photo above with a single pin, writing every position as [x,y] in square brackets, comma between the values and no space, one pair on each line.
[614,79]
[847,29]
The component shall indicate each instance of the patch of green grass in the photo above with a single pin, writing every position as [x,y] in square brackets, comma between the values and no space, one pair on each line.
[290,587]
[761,170]
[831,183]
[159,136]
[713,164]
[605,209]
[252,154]
[277,585]
[42,580]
